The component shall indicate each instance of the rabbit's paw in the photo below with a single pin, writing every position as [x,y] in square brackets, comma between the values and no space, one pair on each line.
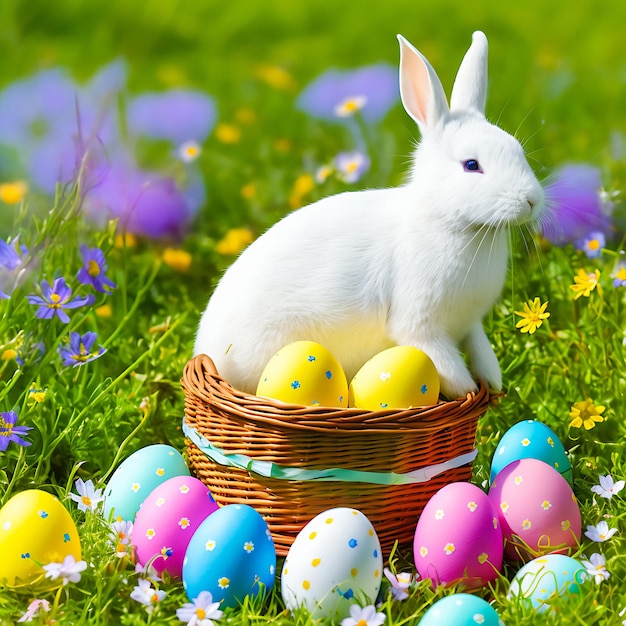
[458,385]
[483,360]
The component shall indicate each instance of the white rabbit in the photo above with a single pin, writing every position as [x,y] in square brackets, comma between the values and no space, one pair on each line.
[420,264]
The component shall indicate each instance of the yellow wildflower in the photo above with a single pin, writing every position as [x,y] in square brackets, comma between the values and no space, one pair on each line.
[235,240]
[246,115]
[586,414]
[177,259]
[125,240]
[276,76]
[282,145]
[585,283]
[532,316]
[8,355]
[105,311]
[302,186]
[13,193]
[37,394]
[248,191]
[227,133]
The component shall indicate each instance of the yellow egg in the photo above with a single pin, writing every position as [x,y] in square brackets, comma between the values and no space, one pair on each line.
[397,378]
[35,529]
[304,372]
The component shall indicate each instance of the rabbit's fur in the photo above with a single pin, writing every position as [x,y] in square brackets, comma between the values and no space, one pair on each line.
[420,264]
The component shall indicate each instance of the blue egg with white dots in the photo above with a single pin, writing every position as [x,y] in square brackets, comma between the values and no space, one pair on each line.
[232,555]
[461,609]
[334,562]
[531,439]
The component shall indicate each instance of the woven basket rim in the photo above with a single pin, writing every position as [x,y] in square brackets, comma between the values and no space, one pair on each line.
[202,381]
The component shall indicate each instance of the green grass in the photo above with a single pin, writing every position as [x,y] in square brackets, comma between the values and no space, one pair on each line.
[556,80]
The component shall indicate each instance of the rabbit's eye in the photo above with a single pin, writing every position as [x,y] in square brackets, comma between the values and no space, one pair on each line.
[472,165]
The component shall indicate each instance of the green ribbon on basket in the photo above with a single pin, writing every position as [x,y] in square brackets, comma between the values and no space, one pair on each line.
[272,470]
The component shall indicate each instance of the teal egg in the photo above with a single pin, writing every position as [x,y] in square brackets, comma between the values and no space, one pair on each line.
[531,439]
[461,609]
[137,476]
[545,577]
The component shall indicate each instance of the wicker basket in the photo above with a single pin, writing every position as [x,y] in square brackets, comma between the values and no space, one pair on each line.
[291,462]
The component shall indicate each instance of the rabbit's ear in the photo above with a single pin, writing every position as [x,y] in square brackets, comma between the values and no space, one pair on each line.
[420,88]
[470,87]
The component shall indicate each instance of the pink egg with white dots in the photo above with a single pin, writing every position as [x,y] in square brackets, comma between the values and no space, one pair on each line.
[167,519]
[458,538]
[537,509]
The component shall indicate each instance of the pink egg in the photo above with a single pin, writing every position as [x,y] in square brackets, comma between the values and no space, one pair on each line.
[458,538]
[167,519]
[537,510]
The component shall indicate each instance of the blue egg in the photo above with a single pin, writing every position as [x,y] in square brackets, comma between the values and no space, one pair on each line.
[461,609]
[531,439]
[232,555]
[545,577]
[137,476]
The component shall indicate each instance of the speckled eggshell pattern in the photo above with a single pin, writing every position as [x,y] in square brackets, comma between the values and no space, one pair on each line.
[458,537]
[232,555]
[334,562]
[531,439]
[137,476]
[536,507]
[307,373]
[461,609]
[545,577]
[34,528]
[167,519]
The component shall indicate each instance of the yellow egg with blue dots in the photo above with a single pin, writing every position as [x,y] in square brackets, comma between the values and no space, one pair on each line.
[305,373]
[35,529]
[401,377]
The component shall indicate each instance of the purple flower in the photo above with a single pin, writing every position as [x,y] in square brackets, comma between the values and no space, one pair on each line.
[619,278]
[80,350]
[10,261]
[9,258]
[94,269]
[592,244]
[351,166]
[575,204]
[145,203]
[38,120]
[373,89]
[178,115]
[56,298]
[9,431]
[50,121]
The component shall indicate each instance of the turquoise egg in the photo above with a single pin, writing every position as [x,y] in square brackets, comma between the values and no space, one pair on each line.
[531,439]
[232,555]
[545,577]
[137,476]
[461,609]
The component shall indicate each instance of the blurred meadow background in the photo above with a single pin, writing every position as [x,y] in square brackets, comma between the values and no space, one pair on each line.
[245,147]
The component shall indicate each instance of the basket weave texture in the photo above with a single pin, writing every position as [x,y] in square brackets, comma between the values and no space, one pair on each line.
[300,441]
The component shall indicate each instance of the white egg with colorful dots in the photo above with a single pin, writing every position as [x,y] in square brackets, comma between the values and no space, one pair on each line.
[167,520]
[531,439]
[137,476]
[231,555]
[461,609]
[334,562]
